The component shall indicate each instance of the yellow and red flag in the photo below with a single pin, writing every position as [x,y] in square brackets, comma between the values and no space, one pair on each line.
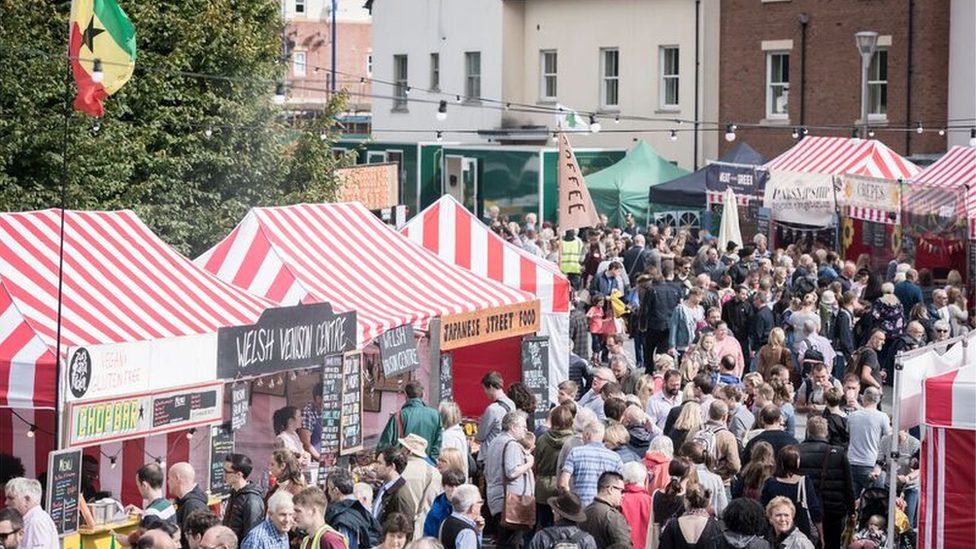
[100,30]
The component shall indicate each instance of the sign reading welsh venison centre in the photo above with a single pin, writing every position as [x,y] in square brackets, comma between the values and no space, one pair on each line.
[492,324]
[144,414]
[285,338]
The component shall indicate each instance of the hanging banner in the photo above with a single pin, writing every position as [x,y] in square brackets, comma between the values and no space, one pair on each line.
[576,209]
[398,351]
[746,181]
[806,198]
[485,325]
[871,199]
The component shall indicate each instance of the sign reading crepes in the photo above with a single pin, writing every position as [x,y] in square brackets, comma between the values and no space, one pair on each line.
[492,324]
[375,185]
[107,420]
[868,194]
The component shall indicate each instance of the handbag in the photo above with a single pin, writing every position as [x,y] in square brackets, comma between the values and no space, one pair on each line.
[518,511]
[801,498]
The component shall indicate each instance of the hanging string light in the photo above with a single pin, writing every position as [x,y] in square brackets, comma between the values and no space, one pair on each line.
[674,135]
[279,96]
[442,111]
[730,132]
[208,131]
[918,128]
[440,137]
[98,75]
[595,126]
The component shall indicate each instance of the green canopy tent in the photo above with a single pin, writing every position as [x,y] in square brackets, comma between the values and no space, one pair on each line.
[623,187]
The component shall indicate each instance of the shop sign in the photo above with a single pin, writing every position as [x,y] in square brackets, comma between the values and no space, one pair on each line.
[331,404]
[491,324]
[64,489]
[144,414]
[742,179]
[240,403]
[398,351]
[446,381]
[284,338]
[375,185]
[114,369]
[807,198]
[871,193]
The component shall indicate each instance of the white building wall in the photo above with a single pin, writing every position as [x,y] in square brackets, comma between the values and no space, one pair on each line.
[962,67]
[418,28]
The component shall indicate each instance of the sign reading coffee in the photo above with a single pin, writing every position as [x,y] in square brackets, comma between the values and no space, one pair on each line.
[398,351]
[285,338]
[491,324]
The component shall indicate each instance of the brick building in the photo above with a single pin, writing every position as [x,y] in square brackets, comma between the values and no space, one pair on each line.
[764,81]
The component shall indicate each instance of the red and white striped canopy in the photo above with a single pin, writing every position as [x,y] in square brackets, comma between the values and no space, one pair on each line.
[121,283]
[949,399]
[343,254]
[453,233]
[945,180]
[840,156]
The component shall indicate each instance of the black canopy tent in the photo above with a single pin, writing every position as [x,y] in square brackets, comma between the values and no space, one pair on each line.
[689,191]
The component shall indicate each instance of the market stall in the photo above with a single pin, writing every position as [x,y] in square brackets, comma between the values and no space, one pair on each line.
[342,254]
[808,197]
[452,232]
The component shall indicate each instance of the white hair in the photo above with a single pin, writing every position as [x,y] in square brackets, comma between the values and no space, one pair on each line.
[634,473]
[662,445]
[583,416]
[464,497]
[595,430]
[24,487]
[279,501]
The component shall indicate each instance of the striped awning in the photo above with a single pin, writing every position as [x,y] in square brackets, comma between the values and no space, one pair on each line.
[121,283]
[718,197]
[343,254]
[950,181]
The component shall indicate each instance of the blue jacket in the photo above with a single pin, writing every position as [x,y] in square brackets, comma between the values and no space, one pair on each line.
[680,332]
[909,294]
[440,509]
[603,285]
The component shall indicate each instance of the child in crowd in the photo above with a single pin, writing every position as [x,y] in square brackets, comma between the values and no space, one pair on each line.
[596,315]
[873,536]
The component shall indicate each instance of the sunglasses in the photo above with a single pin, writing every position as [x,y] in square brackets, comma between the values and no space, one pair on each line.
[5,535]
[943,331]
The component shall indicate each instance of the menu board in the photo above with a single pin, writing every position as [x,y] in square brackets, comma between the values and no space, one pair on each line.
[331,403]
[64,489]
[221,444]
[240,401]
[179,408]
[351,433]
[446,383]
[535,372]
[398,350]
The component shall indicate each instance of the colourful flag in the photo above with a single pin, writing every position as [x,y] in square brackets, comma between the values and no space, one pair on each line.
[568,120]
[576,208]
[100,30]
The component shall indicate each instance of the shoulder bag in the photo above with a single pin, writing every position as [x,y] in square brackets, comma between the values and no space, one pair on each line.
[803,510]
[518,511]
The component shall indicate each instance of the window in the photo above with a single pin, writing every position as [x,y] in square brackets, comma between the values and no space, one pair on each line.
[369,64]
[669,77]
[299,6]
[298,63]
[400,82]
[878,85]
[472,75]
[547,69]
[435,71]
[777,85]
[610,77]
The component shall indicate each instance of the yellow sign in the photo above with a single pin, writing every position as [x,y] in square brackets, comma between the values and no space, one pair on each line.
[462,330]
[111,418]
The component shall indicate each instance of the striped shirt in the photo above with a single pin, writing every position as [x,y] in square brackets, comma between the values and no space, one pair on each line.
[585,464]
[158,510]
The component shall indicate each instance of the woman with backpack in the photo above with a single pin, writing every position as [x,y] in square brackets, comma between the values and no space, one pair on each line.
[787,482]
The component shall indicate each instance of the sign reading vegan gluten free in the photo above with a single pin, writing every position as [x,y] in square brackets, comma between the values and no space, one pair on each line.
[535,372]
[285,338]
[398,351]
[64,489]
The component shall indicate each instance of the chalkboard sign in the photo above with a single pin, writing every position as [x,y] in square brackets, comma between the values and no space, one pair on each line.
[535,372]
[446,378]
[240,401]
[880,237]
[64,489]
[351,435]
[398,350]
[221,444]
[762,219]
[179,408]
[331,404]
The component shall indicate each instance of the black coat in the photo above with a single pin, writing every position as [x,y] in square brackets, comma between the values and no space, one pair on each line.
[350,515]
[245,510]
[836,491]
[763,322]
[658,304]
[194,500]
[738,315]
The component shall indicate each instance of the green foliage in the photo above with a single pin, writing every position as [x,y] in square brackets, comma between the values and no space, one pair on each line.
[151,153]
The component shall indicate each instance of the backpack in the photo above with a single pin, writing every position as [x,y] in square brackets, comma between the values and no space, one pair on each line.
[854,363]
[573,542]
[706,438]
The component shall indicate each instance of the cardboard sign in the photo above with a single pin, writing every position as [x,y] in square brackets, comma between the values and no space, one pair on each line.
[240,402]
[491,324]
[351,432]
[398,350]
[535,372]
[446,381]
[64,489]
[221,444]
[331,404]
[807,198]
[284,338]
[140,415]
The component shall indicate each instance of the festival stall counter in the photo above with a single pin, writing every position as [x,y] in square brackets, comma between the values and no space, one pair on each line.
[342,254]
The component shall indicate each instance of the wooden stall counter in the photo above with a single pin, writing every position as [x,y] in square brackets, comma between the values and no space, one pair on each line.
[100,537]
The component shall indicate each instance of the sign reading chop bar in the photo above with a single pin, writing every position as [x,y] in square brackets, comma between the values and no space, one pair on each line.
[491,324]
[285,338]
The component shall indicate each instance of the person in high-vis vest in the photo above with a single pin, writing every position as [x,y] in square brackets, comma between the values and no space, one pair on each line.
[571,258]
[310,507]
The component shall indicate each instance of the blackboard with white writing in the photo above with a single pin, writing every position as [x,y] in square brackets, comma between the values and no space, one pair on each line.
[239,403]
[64,489]
[331,404]
[179,408]
[398,351]
[446,377]
[221,444]
[351,433]
[535,372]
[284,338]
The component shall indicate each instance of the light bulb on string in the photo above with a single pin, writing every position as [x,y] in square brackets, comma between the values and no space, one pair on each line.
[730,132]
[190,433]
[870,133]
[440,137]
[972,137]
[942,132]
[795,134]
[323,135]
[97,75]
[595,126]
[95,125]
[918,127]
[112,462]
[457,98]
[805,130]
[406,91]
[279,96]
[442,111]
[555,137]
[616,119]
[674,135]
[31,431]
[208,131]
[508,106]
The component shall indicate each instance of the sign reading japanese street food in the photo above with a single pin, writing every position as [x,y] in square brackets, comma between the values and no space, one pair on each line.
[465,329]
[111,419]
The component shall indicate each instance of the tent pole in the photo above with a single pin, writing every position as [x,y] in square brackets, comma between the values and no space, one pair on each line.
[893,452]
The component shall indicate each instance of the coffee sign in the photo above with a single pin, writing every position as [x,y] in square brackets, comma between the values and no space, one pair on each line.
[398,351]
[285,338]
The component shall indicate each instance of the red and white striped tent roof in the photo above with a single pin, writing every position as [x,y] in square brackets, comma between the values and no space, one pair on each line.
[449,230]
[343,254]
[956,170]
[121,283]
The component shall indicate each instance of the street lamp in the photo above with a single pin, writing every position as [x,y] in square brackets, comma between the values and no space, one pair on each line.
[867,41]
